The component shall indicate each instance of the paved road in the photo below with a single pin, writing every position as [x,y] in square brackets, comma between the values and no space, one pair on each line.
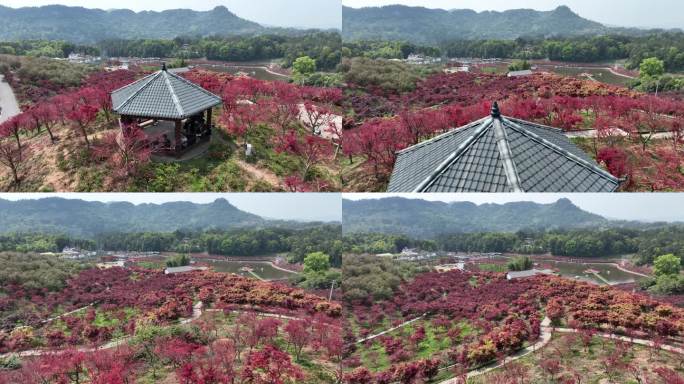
[9,106]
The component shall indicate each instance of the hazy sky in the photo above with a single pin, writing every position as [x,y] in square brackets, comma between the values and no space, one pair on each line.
[323,14]
[622,206]
[630,13]
[284,206]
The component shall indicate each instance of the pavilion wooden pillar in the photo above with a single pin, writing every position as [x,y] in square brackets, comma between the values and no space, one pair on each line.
[209,119]
[177,136]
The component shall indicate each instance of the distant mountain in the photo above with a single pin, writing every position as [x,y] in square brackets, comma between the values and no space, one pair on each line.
[85,218]
[83,25]
[430,26]
[428,219]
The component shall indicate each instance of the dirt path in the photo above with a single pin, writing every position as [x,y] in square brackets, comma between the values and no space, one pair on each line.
[196,314]
[197,311]
[282,269]
[67,314]
[619,74]
[590,133]
[612,336]
[390,330]
[259,174]
[546,333]
[9,106]
[545,338]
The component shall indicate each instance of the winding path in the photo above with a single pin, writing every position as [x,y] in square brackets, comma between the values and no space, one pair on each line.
[545,338]
[614,72]
[591,133]
[390,330]
[9,106]
[197,311]
[546,332]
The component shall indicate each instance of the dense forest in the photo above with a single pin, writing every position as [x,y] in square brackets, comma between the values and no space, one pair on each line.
[324,47]
[376,49]
[35,272]
[646,244]
[297,243]
[45,48]
[666,46]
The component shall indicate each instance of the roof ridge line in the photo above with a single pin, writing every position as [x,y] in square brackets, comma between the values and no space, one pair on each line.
[133,83]
[594,168]
[506,156]
[181,78]
[443,135]
[129,98]
[547,127]
[454,155]
[174,97]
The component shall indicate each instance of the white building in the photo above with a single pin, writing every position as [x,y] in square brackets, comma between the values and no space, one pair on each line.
[526,72]
[524,274]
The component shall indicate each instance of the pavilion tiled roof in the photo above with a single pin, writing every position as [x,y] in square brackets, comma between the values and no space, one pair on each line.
[163,95]
[499,154]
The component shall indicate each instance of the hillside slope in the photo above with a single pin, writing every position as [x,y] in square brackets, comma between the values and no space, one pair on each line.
[427,219]
[430,26]
[85,218]
[83,25]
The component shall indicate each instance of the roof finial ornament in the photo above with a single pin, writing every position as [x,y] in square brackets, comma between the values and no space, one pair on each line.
[164,66]
[495,110]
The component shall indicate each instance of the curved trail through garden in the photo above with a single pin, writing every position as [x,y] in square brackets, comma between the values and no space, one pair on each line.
[9,106]
[260,174]
[197,311]
[644,342]
[546,332]
[591,133]
[611,70]
[391,329]
[545,338]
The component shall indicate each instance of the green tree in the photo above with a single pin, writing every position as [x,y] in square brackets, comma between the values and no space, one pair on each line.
[316,262]
[652,67]
[304,66]
[178,261]
[667,265]
[520,263]
[519,65]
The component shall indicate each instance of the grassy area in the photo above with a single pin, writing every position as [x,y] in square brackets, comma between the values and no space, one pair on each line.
[492,267]
[374,357]
[602,361]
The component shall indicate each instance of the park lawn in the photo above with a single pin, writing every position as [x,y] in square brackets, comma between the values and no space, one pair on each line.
[375,358]
[436,340]
[493,267]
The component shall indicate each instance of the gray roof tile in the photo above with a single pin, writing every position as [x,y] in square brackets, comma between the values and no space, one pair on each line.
[163,95]
[468,159]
